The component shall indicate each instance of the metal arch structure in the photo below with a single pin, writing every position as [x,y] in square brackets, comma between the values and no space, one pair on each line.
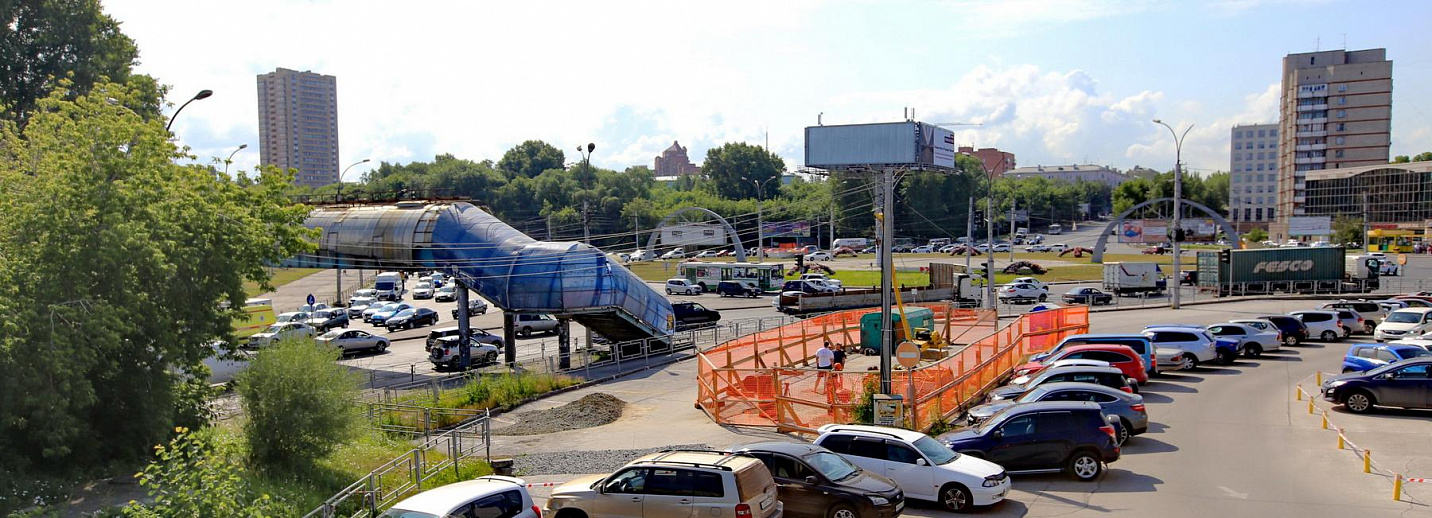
[740,251]
[1118,222]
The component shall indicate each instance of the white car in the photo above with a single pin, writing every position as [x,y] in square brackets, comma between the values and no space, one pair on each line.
[357,304]
[920,465]
[923,249]
[1058,248]
[491,495]
[639,256]
[818,256]
[1267,326]
[292,316]
[1002,247]
[1031,280]
[365,292]
[445,294]
[682,286]
[1022,292]
[279,332]
[1037,248]
[947,249]
[1323,324]
[423,291]
[353,340]
[708,253]
[1194,341]
[1252,341]
[1321,244]
[674,254]
[1404,323]
[1169,359]
[837,284]
[1370,312]
[309,308]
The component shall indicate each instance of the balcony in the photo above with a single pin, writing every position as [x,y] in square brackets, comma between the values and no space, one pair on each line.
[1299,199]
[1312,107]
[1319,133]
[1312,147]
[1311,160]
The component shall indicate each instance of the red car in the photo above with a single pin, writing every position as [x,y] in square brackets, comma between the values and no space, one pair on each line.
[1119,356]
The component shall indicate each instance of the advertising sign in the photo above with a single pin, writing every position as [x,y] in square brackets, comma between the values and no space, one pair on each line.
[1144,231]
[937,146]
[1310,226]
[786,229]
[693,234]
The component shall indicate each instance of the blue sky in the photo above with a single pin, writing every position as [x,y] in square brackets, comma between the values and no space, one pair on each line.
[1052,81]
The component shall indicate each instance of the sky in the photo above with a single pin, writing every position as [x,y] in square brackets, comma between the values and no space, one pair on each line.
[1053,81]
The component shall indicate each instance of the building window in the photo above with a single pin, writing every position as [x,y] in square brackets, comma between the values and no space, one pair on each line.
[1259,213]
[1340,140]
[1249,157]
[1342,88]
[1270,212]
[1260,168]
[1342,114]
[1262,133]
[1273,132]
[1247,214]
[1237,134]
[1338,154]
[1342,100]
[1238,145]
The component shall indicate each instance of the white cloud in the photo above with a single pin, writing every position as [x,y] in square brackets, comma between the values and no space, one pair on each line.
[1206,146]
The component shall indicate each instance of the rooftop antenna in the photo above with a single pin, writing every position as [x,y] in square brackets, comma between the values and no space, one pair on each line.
[818,117]
[1318,44]
[1344,41]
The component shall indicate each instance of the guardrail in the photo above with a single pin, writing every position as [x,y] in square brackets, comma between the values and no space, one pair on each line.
[408,473]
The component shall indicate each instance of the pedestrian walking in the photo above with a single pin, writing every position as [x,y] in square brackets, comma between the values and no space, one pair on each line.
[824,362]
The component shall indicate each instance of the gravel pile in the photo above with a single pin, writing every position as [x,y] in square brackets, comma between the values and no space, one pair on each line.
[592,410]
[599,461]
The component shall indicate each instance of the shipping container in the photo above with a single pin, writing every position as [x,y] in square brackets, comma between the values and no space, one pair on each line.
[1293,270]
[906,143]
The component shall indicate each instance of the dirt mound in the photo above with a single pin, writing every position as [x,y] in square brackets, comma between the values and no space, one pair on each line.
[591,410]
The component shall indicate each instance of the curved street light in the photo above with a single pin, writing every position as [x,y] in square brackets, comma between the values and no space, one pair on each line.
[1177,194]
[230,160]
[203,94]
[760,230]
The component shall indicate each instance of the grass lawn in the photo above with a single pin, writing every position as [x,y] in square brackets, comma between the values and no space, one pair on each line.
[281,276]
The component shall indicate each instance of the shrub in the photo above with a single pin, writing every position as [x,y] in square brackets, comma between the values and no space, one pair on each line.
[193,476]
[300,404]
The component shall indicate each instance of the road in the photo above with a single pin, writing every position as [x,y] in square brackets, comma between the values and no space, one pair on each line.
[1225,441]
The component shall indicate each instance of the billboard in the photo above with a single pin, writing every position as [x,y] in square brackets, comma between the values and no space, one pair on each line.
[686,234]
[910,144]
[786,229]
[937,146]
[1143,231]
[1310,226]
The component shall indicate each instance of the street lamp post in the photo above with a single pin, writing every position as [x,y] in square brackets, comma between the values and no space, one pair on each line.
[760,228]
[230,160]
[203,94]
[338,198]
[1177,194]
[586,168]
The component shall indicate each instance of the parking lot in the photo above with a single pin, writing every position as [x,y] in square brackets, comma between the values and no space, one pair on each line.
[1224,440]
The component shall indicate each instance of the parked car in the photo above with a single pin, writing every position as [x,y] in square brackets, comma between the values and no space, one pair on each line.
[474,334]
[1291,327]
[924,468]
[445,294]
[382,315]
[1001,247]
[424,290]
[1138,342]
[1406,384]
[291,316]
[411,318]
[356,305]
[309,308]
[1252,341]
[1118,356]
[528,323]
[1043,437]
[1088,296]
[365,292]
[1371,312]
[737,289]
[1107,376]
[1266,326]
[325,319]
[1022,292]
[1390,305]
[674,254]
[489,496]
[1403,323]
[811,286]
[814,482]
[1323,324]
[354,340]
[1363,357]
[1058,248]
[708,253]
[834,283]
[1188,278]
[948,248]
[278,332]
[1037,248]
[682,286]
[1197,346]
[818,256]
[445,353]
[1129,408]
[377,308]
[674,483]
[475,306]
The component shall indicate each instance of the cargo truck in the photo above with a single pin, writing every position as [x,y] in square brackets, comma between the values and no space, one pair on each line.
[1133,278]
[945,284]
[1286,270]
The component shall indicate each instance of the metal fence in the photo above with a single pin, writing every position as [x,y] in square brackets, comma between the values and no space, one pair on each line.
[411,472]
[417,421]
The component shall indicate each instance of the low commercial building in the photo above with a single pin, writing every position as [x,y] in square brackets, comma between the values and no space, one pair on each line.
[1386,196]
[1071,173]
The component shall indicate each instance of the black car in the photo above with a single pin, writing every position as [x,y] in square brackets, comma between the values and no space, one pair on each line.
[1188,278]
[1289,326]
[1107,376]
[737,289]
[410,318]
[691,315]
[1406,384]
[1089,296]
[815,482]
[1043,437]
[475,306]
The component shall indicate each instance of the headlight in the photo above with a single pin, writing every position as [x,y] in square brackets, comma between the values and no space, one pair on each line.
[993,480]
[879,500]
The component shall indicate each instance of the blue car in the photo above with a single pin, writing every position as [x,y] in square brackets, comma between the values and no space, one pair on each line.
[1406,384]
[1043,437]
[1365,357]
[387,312]
[1139,343]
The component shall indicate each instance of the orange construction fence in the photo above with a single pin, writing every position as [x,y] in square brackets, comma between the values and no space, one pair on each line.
[765,379]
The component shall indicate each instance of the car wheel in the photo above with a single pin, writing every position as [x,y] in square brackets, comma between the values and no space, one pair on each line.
[382,346]
[841,511]
[1190,362]
[1290,340]
[1347,331]
[1125,431]
[1359,402]
[525,332]
[955,498]
[668,291]
[571,513]
[1043,298]
[1227,357]
[1330,336]
[1253,351]
[1085,466]
[490,359]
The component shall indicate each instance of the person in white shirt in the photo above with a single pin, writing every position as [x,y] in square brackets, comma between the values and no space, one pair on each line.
[824,361]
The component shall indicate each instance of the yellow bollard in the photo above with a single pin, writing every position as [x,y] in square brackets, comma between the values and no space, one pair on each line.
[1325,421]
[1367,461]
[1320,378]
[1397,488]
[1341,443]
[1310,406]
[1300,393]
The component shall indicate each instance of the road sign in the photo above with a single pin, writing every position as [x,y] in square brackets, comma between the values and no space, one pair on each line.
[1402,259]
[908,354]
[311,300]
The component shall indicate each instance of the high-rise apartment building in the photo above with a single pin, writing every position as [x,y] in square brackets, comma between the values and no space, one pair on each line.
[1336,111]
[298,124]
[1253,175]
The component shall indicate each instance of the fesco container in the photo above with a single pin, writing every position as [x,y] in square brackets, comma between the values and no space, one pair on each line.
[1273,265]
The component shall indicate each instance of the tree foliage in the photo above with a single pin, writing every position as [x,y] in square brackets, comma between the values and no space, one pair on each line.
[1347,229]
[733,167]
[530,159]
[1257,235]
[116,260]
[1420,157]
[1209,190]
[300,404]
[197,477]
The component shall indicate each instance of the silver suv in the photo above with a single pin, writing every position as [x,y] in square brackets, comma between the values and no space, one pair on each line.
[673,483]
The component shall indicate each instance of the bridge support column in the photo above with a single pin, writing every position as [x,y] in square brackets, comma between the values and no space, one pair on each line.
[564,343]
[464,330]
[509,338]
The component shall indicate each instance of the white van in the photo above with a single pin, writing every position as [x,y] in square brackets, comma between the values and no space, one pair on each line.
[389,286]
[852,242]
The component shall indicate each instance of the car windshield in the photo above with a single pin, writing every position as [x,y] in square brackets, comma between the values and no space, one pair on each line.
[274,328]
[1404,317]
[936,452]
[834,467]
[1412,352]
[405,313]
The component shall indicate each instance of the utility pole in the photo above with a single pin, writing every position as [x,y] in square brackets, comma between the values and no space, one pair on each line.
[887,281]
[1365,223]
[1012,202]
[760,227]
[586,224]
[832,224]
[969,233]
[1177,194]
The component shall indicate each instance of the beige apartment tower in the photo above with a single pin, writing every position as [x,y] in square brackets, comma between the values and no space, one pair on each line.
[1336,112]
[298,124]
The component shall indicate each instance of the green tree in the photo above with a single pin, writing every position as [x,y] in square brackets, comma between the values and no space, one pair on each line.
[1257,235]
[44,41]
[196,476]
[1401,159]
[1347,229]
[299,402]
[531,158]
[116,260]
[1423,156]
[728,164]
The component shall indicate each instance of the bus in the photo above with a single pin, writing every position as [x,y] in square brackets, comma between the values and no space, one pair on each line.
[1395,240]
[258,315]
[1055,229]
[768,276]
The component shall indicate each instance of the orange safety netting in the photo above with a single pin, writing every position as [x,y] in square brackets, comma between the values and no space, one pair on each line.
[764,379]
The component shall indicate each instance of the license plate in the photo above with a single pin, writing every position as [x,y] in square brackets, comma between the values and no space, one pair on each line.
[766,503]
[899,506]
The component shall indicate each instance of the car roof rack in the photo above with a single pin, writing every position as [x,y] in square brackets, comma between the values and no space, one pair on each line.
[720,464]
[877,432]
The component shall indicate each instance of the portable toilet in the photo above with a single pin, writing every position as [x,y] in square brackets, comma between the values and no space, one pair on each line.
[870,326]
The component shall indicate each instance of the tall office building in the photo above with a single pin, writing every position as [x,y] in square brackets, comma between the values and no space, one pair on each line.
[298,124]
[1336,112]
[1253,175]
